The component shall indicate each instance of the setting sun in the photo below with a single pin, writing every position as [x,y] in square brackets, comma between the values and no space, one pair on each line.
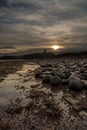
[55,47]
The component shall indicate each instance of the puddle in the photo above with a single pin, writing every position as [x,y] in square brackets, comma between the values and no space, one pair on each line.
[8,88]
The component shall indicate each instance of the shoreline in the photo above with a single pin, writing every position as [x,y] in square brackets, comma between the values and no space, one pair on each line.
[41,105]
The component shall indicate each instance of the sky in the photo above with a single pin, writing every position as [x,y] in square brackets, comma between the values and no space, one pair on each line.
[39,24]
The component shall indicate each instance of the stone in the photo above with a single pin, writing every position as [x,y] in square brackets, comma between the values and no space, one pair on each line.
[74,102]
[46,79]
[62,75]
[17,109]
[83,114]
[38,74]
[85,84]
[53,73]
[85,66]
[81,70]
[55,80]
[76,83]
[29,105]
[65,81]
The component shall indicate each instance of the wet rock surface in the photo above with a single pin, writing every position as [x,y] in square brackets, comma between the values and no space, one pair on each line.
[55,80]
[76,83]
[45,95]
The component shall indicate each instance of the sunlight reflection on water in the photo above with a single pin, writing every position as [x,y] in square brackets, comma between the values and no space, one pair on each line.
[7,86]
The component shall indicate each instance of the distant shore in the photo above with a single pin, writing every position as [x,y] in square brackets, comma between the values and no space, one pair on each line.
[43,55]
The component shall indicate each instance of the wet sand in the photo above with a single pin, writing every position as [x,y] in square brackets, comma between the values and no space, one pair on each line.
[28,104]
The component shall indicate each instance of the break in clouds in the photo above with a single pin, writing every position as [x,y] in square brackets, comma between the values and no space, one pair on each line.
[35,24]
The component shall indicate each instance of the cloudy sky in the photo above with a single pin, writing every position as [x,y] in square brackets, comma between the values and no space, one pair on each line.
[37,24]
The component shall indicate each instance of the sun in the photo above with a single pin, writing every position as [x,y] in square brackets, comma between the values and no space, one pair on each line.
[55,47]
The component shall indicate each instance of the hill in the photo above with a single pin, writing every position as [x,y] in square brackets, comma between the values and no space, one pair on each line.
[44,55]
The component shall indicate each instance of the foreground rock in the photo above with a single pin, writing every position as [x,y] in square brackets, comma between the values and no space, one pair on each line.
[76,83]
[55,80]
[38,74]
[83,114]
[14,109]
[46,79]
[86,84]
[65,81]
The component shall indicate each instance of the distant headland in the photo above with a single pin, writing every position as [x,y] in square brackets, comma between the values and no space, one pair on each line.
[44,55]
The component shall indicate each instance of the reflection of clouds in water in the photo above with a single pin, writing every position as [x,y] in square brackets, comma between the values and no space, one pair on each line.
[7,86]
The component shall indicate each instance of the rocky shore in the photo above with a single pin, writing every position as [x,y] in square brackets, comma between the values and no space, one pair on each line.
[51,95]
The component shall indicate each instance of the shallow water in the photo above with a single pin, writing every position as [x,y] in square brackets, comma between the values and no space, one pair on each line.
[9,86]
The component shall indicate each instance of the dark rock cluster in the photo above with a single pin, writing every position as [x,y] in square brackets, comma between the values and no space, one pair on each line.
[64,72]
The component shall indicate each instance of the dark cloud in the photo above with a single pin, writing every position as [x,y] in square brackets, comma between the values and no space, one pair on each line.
[4,3]
[40,23]
[7,47]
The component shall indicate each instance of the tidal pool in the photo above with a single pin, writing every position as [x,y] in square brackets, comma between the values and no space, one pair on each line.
[8,87]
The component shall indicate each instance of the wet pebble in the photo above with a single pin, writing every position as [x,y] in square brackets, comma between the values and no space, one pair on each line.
[62,75]
[55,80]
[86,84]
[38,74]
[46,79]
[65,81]
[83,114]
[76,83]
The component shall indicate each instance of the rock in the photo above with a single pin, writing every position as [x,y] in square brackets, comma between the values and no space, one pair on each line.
[85,66]
[55,80]
[81,70]
[74,102]
[67,73]
[76,83]
[22,87]
[53,73]
[49,69]
[48,65]
[62,75]
[38,74]
[76,107]
[42,76]
[46,73]
[65,81]
[29,105]
[51,109]
[5,125]
[83,114]
[46,79]
[85,75]
[85,84]
[17,109]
